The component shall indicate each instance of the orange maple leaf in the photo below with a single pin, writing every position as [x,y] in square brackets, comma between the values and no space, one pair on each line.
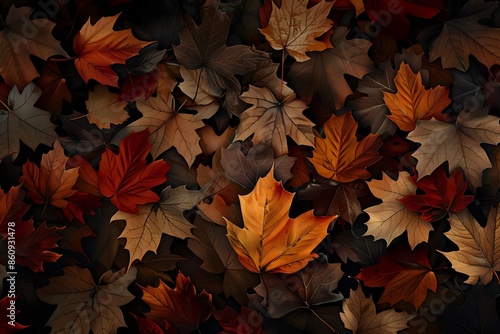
[271,241]
[405,274]
[51,183]
[12,207]
[98,47]
[413,102]
[126,178]
[340,156]
[181,307]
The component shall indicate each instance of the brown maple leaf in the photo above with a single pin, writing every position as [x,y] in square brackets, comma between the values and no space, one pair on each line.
[294,27]
[340,156]
[105,108]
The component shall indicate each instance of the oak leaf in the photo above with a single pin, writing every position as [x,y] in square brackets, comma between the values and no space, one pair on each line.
[465,35]
[478,255]
[405,275]
[98,46]
[105,108]
[82,305]
[182,306]
[294,27]
[442,195]
[271,119]
[33,244]
[340,156]
[126,178]
[51,183]
[323,74]
[21,121]
[271,241]
[144,228]
[21,38]
[458,143]
[204,47]
[360,316]
[413,102]
[307,288]
[391,218]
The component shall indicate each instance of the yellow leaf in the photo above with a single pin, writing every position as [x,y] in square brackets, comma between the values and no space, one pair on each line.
[340,156]
[413,102]
[294,27]
[271,241]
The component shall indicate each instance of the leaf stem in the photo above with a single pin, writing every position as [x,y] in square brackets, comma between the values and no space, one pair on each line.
[282,72]
[6,106]
[321,319]
[62,59]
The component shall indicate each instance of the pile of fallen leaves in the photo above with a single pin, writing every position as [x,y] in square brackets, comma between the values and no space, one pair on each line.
[285,166]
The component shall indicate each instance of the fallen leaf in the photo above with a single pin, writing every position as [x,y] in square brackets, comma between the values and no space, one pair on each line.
[391,218]
[340,156]
[126,178]
[271,119]
[105,108]
[54,88]
[22,37]
[51,183]
[442,195]
[33,245]
[247,321]
[12,207]
[294,27]
[469,37]
[413,102]
[246,169]
[323,74]
[271,241]
[98,46]
[359,315]
[478,255]
[144,228]
[458,143]
[147,326]
[218,209]
[82,305]
[404,274]
[182,306]
[313,285]
[21,121]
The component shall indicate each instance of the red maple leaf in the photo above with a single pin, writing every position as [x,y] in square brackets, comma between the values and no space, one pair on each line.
[442,195]
[126,178]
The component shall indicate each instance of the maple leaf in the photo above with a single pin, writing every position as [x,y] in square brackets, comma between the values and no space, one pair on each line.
[270,120]
[392,15]
[309,287]
[478,255]
[212,246]
[340,156]
[33,245]
[181,306]
[247,321]
[323,74]
[413,102]
[19,120]
[246,169]
[405,275]
[147,326]
[21,38]
[126,178]
[204,47]
[391,218]
[144,228]
[168,128]
[98,47]
[442,195]
[6,326]
[361,318]
[104,108]
[465,36]
[294,27]
[271,241]
[82,305]
[51,183]
[54,88]
[458,143]
[12,207]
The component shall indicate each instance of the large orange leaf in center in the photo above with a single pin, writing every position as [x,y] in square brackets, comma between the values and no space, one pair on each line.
[271,241]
